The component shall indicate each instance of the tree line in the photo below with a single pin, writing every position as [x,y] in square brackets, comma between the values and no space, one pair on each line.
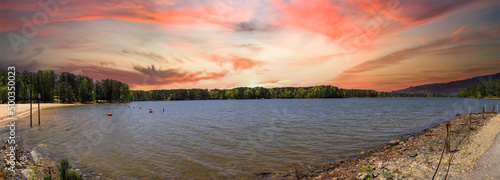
[66,87]
[69,88]
[324,91]
[486,89]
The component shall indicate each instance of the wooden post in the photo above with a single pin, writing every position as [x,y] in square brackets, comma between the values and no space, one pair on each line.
[470,124]
[483,112]
[447,142]
[31,110]
[39,109]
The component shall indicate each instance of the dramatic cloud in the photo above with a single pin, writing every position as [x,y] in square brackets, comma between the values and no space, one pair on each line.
[238,63]
[381,44]
[252,26]
[398,56]
[150,55]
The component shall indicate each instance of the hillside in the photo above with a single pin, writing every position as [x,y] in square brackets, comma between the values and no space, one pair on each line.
[452,87]
[487,89]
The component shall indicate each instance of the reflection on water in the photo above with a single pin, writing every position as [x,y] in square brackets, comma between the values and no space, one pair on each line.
[229,137]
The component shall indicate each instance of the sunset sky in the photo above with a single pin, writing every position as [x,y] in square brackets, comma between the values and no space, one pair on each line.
[154,44]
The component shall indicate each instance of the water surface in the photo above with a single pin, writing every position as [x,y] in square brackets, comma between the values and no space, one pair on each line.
[228,138]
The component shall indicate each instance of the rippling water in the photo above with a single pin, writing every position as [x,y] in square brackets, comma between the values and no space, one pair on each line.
[228,138]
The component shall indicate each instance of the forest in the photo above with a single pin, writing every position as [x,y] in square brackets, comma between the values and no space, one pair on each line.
[486,89]
[70,88]
[64,87]
[324,91]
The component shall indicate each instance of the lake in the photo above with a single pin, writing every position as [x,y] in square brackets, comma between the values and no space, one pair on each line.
[229,138]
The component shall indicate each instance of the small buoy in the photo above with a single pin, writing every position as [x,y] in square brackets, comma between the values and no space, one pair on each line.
[133,107]
[128,106]
[150,111]
[110,114]
[139,107]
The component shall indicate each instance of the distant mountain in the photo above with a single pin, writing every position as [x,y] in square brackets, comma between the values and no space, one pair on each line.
[452,87]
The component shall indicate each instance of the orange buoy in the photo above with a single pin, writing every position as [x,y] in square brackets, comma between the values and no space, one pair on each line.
[110,114]
[150,111]
[128,106]
[139,107]
[133,107]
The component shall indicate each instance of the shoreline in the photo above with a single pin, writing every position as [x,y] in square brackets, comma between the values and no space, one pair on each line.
[415,157]
[22,110]
[29,162]
[402,158]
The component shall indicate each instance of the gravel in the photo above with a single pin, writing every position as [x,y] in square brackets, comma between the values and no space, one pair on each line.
[416,157]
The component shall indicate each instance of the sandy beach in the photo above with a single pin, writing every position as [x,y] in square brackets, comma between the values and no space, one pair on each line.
[23,110]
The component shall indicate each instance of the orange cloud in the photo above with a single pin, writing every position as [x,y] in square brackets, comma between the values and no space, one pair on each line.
[178,34]
[238,63]
[171,12]
[137,77]
[460,29]
[357,24]
[401,55]
[363,75]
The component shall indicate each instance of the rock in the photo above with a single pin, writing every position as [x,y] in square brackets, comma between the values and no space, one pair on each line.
[362,175]
[34,154]
[413,154]
[394,142]
[379,165]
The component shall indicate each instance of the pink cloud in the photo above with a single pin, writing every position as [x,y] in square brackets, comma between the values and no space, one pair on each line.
[461,29]
[166,13]
[357,24]
[238,63]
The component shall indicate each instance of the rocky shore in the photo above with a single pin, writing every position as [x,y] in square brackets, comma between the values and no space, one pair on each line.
[31,164]
[416,157]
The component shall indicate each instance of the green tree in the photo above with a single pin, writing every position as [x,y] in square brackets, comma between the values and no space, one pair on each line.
[248,94]
[66,92]
[85,89]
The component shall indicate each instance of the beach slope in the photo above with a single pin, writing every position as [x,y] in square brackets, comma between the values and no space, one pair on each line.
[23,110]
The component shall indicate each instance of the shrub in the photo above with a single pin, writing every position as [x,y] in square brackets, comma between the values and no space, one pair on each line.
[64,171]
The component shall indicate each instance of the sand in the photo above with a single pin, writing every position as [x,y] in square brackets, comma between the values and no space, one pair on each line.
[23,110]
[488,165]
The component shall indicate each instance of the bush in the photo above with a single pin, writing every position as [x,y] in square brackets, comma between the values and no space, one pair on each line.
[64,171]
